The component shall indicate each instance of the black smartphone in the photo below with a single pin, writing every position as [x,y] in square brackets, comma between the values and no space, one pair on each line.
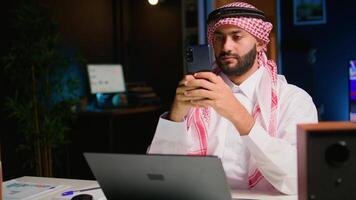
[199,58]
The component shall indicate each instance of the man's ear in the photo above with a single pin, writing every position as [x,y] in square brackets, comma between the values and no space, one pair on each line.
[259,45]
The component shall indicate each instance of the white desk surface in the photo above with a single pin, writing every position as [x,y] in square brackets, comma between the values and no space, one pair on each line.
[79,184]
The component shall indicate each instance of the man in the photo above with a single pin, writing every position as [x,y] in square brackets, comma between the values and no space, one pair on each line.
[244,112]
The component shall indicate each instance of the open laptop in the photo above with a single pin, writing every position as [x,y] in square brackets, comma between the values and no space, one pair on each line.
[161,177]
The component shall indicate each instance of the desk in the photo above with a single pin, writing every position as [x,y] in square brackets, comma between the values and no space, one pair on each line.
[125,111]
[254,195]
[78,184]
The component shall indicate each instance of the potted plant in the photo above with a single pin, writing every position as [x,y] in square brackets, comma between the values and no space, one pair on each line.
[43,97]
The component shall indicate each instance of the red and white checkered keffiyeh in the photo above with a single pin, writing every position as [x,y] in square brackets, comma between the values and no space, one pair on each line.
[199,117]
[257,27]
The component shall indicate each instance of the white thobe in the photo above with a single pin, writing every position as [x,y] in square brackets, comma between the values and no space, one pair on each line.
[275,157]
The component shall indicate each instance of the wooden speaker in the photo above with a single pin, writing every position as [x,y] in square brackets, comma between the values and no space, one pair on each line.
[326,161]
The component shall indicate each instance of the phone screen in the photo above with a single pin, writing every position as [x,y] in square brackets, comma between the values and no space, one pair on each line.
[199,58]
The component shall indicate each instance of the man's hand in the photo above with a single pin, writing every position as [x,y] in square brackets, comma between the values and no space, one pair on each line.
[182,103]
[211,90]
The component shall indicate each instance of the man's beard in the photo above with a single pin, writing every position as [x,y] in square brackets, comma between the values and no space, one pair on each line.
[244,63]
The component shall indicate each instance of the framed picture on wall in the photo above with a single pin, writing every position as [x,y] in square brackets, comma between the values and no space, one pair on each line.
[309,12]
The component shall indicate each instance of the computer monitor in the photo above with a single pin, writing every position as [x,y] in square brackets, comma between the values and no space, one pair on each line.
[106,78]
[352,90]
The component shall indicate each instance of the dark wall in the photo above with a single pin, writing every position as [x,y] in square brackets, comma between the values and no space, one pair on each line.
[86,25]
[326,79]
[155,45]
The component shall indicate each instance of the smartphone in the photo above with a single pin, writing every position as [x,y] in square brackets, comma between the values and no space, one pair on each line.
[199,58]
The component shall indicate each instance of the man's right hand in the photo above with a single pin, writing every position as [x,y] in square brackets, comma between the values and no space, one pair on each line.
[182,103]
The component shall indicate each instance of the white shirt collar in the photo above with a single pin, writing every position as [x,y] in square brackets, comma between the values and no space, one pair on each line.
[248,86]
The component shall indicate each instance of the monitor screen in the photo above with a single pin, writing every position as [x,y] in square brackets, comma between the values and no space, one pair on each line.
[352,90]
[106,78]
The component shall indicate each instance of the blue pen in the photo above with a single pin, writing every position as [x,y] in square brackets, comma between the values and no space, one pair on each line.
[82,190]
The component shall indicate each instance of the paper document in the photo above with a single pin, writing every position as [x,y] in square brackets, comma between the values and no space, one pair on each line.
[19,190]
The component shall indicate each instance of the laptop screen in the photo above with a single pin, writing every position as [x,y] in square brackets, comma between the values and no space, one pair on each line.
[158,177]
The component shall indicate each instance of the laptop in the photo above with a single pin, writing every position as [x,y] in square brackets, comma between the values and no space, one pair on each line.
[161,177]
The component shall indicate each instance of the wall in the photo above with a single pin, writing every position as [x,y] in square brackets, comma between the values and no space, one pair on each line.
[326,80]
[154,45]
[85,25]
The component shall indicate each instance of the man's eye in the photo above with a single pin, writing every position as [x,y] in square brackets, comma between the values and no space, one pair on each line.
[218,37]
[236,37]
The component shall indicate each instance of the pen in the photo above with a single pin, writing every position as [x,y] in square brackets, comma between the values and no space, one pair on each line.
[82,190]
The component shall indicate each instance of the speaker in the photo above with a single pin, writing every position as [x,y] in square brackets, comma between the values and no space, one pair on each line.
[326,161]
